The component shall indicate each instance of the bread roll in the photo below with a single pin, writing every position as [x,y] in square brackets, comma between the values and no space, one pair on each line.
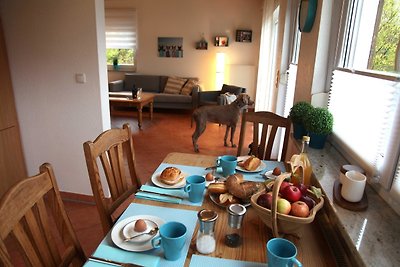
[242,189]
[217,188]
[252,163]
[170,176]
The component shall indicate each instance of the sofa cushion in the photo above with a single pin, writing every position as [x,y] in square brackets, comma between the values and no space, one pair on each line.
[173,98]
[187,88]
[236,90]
[149,83]
[174,85]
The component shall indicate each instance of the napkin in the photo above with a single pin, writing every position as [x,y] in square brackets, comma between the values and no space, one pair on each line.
[172,192]
[151,196]
[116,254]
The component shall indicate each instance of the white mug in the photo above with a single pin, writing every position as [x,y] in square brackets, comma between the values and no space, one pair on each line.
[353,186]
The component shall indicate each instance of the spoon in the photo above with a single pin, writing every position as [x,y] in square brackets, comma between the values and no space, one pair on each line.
[150,232]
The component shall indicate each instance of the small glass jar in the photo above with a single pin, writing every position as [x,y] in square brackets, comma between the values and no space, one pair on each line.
[205,242]
[233,237]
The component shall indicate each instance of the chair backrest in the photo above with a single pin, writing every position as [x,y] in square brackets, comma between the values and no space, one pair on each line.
[33,216]
[267,123]
[114,149]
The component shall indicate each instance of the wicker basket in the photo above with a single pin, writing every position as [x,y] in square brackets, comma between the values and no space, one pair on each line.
[281,223]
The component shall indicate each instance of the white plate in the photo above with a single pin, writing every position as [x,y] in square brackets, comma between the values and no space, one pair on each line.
[269,175]
[260,168]
[129,231]
[158,183]
[117,235]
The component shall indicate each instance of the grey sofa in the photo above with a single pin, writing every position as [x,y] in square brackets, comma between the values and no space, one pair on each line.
[156,84]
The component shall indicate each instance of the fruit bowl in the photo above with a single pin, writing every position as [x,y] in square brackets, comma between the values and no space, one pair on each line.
[281,223]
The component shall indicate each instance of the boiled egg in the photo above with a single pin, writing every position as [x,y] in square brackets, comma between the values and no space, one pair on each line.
[140,226]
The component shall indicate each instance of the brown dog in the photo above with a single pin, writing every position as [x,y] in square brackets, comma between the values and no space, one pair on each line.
[226,114]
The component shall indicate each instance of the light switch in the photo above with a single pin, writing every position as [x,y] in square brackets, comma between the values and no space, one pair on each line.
[80,77]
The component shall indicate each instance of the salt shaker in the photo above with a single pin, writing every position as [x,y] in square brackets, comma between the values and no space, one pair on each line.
[235,217]
[205,242]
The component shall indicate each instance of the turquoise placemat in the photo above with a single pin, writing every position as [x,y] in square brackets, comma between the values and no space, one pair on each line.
[201,261]
[187,217]
[190,170]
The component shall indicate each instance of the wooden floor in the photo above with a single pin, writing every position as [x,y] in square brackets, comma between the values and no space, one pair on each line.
[169,131]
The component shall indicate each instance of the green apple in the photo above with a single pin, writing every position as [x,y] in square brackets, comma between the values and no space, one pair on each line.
[283,206]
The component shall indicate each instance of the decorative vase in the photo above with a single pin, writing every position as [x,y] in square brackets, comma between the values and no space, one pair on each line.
[298,130]
[115,64]
[317,140]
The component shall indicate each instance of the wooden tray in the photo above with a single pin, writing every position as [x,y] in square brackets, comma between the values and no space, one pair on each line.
[355,206]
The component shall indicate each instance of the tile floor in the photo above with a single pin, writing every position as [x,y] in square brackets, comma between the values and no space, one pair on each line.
[169,131]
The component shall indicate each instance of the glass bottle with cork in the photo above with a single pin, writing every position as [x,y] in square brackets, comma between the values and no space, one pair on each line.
[301,165]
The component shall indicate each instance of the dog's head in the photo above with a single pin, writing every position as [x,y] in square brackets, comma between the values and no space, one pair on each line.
[243,100]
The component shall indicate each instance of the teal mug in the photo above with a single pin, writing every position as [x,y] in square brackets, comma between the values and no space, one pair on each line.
[195,186]
[172,239]
[282,253]
[228,164]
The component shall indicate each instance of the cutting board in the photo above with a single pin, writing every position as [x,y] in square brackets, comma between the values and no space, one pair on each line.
[355,206]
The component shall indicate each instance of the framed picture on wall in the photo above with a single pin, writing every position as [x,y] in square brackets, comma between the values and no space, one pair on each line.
[221,41]
[170,46]
[243,36]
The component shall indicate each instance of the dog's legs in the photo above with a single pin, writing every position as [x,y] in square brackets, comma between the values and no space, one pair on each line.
[233,129]
[226,135]
[200,128]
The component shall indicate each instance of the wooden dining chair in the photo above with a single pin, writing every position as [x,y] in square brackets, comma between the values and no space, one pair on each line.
[114,149]
[266,123]
[33,218]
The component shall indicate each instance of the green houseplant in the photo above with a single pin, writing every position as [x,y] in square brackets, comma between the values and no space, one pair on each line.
[319,124]
[297,115]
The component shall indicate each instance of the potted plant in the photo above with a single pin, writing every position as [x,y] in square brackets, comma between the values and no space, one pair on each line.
[319,123]
[296,115]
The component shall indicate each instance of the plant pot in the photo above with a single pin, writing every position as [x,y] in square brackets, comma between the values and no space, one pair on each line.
[298,130]
[317,140]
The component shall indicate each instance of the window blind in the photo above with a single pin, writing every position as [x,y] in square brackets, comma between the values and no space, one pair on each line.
[366,123]
[121,28]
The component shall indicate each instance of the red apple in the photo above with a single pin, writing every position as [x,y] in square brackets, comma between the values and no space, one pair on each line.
[283,206]
[284,184]
[265,200]
[291,193]
[303,188]
[308,200]
[299,209]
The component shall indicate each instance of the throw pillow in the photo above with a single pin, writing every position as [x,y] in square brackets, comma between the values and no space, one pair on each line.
[187,88]
[174,85]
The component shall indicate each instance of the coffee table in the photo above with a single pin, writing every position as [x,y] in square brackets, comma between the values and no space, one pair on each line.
[125,99]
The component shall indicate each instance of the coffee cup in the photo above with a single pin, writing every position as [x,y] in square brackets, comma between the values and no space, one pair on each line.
[228,164]
[195,186]
[353,186]
[172,238]
[282,253]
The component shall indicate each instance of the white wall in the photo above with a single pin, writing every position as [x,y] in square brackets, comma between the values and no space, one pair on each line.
[189,19]
[48,43]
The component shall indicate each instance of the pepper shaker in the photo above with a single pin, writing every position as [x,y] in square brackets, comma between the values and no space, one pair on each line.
[236,213]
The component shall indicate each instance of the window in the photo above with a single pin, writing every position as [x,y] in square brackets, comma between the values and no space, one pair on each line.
[121,36]
[371,44]
[365,90]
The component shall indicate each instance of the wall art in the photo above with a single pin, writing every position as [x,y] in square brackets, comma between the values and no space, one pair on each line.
[170,46]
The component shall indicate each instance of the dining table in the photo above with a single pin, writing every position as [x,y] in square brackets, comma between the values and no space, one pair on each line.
[311,243]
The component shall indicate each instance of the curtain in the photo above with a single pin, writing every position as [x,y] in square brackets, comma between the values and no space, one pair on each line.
[121,28]
[366,122]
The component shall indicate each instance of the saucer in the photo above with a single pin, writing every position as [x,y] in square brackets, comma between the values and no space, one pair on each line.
[117,235]
[129,231]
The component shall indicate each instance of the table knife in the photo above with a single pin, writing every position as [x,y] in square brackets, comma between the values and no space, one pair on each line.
[111,262]
[160,194]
